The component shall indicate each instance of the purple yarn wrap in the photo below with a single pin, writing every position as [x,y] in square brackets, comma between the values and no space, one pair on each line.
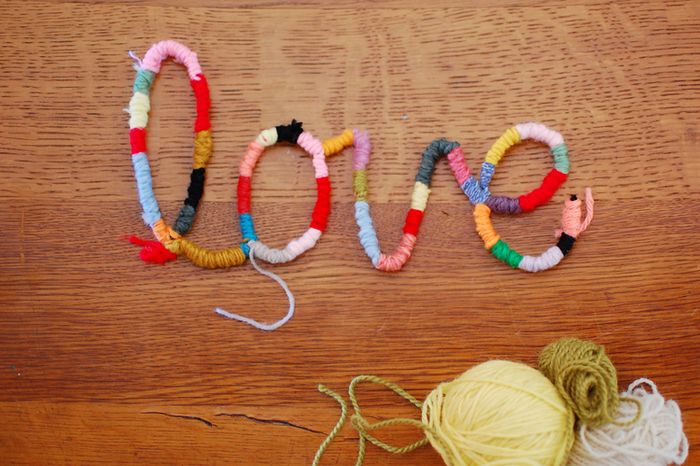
[504,204]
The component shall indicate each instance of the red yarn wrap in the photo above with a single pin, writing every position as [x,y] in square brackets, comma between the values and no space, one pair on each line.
[539,196]
[152,251]
[322,209]
[243,194]
[137,136]
[413,220]
[201,94]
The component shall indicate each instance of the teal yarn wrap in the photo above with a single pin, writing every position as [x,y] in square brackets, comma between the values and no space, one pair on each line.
[561,158]
[247,232]
[144,81]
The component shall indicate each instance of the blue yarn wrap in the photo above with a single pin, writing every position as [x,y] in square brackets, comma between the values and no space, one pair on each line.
[487,171]
[475,193]
[247,232]
[144,183]
[367,234]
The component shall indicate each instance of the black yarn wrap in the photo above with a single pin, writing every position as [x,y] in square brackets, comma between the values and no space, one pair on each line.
[435,151]
[289,133]
[565,243]
[196,188]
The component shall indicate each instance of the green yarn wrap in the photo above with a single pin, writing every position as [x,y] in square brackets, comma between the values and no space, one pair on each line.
[143,81]
[561,158]
[504,253]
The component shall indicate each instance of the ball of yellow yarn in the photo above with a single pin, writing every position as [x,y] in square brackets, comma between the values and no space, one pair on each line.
[499,413]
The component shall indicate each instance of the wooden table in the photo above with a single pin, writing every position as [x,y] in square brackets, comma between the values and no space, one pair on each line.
[105,359]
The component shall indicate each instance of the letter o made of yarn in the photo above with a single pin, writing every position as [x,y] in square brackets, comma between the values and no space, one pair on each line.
[294,134]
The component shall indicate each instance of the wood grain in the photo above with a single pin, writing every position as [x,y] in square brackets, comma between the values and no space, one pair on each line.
[105,360]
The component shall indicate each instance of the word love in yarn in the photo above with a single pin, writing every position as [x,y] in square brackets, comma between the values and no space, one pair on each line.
[477,190]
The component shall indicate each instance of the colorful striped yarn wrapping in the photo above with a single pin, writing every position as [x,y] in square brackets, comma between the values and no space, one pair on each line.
[252,246]
[484,203]
[293,134]
[476,190]
[419,198]
[170,241]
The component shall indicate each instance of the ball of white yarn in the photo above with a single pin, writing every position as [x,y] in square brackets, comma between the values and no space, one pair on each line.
[656,439]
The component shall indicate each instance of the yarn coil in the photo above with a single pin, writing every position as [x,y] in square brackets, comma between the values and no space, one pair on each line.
[585,378]
[656,439]
[419,199]
[294,134]
[251,245]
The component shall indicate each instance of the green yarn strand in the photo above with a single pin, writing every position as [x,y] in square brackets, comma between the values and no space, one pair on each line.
[338,425]
[363,427]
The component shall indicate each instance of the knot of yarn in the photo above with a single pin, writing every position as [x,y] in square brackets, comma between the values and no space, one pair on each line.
[152,251]
[585,377]
[289,133]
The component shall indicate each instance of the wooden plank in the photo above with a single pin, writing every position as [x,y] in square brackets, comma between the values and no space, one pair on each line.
[104,359]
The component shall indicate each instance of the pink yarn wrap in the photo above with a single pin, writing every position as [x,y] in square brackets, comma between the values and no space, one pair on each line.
[180,53]
[314,147]
[363,147]
[540,133]
[458,165]
[395,261]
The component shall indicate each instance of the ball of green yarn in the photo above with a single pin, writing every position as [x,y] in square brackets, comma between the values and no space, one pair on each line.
[585,378]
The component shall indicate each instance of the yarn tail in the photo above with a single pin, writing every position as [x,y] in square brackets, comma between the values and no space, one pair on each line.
[338,425]
[590,203]
[138,63]
[253,322]
[571,219]
[152,251]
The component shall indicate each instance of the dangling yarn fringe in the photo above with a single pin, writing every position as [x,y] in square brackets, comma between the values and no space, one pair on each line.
[280,281]
[656,439]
